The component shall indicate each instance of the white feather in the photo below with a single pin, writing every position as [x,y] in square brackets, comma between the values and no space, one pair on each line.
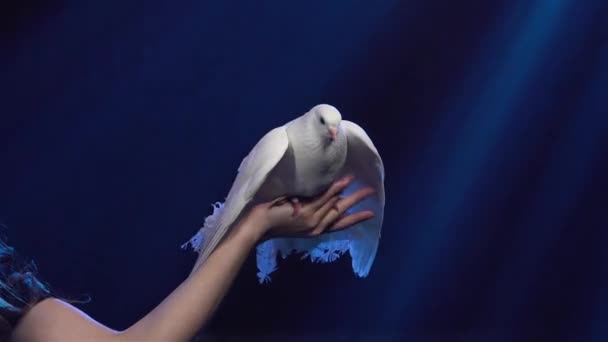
[252,173]
[291,160]
[362,239]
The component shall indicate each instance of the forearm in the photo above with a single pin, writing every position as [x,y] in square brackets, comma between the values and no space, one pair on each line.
[187,308]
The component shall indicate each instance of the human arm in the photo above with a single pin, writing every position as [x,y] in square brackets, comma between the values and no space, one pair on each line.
[191,304]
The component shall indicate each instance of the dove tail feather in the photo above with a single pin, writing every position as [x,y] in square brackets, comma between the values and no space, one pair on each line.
[195,242]
[201,239]
[222,222]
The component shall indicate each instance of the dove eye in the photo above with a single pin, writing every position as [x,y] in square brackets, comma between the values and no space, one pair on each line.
[322,121]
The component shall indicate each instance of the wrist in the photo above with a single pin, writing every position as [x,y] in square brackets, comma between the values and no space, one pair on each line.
[252,228]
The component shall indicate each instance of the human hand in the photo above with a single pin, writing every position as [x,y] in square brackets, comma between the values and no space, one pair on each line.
[325,213]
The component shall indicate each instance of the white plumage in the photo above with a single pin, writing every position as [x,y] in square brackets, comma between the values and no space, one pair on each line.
[302,159]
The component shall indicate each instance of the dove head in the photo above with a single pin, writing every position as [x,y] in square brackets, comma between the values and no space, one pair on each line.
[326,119]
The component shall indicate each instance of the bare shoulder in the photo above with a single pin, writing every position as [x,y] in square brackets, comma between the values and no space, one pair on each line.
[55,320]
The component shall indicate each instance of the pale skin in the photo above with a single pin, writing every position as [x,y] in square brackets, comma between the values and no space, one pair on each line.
[186,310]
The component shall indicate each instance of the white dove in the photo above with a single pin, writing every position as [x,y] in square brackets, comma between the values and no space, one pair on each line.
[302,159]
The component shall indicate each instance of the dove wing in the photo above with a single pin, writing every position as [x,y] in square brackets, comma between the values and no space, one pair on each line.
[252,173]
[364,162]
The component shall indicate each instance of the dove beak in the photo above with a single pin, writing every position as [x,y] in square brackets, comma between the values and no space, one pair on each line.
[333,132]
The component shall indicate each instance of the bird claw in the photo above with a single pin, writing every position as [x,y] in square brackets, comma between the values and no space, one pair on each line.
[297,206]
[279,201]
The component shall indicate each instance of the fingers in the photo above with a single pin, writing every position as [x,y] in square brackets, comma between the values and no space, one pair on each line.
[334,211]
[349,220]
[352,199]
[335,189]
[329,218]
[329,205]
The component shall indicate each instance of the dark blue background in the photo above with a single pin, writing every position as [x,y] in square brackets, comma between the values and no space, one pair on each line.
[122,121]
